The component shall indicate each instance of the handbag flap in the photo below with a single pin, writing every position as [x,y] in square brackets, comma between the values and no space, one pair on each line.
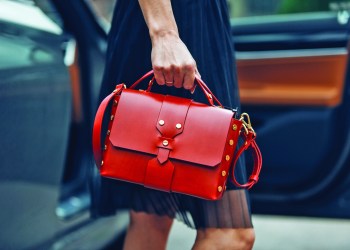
[202,138]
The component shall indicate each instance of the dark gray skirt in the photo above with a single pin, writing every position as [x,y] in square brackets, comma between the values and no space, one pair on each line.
[205,29]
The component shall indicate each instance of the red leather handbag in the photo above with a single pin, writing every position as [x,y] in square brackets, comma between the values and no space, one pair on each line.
[172,144]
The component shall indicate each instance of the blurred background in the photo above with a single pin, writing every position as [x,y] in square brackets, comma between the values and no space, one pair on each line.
[292,63]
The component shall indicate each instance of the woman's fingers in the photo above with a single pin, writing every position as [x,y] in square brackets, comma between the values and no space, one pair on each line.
[158,75]
[168,75]
[178,77]
[188,81]
[189,76]
[172,62]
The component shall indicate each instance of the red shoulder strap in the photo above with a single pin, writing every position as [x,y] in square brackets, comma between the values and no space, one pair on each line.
[249,143]
[96,132]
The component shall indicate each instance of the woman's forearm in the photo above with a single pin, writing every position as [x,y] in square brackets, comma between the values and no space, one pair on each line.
[159,17]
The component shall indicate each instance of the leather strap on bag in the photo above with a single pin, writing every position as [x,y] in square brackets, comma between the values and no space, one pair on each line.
[249,143]
[208,94]
[96,132]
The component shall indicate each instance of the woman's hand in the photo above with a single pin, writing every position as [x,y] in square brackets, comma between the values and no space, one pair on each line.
[172,63]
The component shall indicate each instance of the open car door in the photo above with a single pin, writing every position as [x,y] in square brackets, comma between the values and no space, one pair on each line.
[293,76]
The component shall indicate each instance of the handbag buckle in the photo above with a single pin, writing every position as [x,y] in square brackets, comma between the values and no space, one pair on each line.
[247,125]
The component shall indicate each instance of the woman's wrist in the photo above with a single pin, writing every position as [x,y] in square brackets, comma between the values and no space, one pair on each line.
[157,34]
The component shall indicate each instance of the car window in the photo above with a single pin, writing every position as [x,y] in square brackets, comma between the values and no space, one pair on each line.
[18,45]
[17,12]
[248,8]
[15,54]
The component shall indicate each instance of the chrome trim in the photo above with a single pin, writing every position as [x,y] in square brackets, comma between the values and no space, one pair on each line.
[271,54]
[69,56]
[72,206]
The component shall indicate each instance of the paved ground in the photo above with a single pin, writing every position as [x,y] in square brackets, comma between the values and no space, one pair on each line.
[282,233]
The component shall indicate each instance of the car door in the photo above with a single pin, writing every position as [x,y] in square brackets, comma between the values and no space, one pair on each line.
[292,61]
[35,113]
[46,81]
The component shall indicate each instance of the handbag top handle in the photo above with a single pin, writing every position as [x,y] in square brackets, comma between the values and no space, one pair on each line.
[207,92]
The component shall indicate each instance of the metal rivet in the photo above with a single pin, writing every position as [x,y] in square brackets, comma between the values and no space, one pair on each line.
[108,132]
[115,102]
[178,126]
[220,188]
[105,147]
[165,143]
[234,127]
[231,142]
[161,122]
[112,117]
[227,157]
[223,173]
[101,163]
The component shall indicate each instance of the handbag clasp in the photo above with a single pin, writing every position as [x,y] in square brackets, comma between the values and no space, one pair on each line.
[247,125]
